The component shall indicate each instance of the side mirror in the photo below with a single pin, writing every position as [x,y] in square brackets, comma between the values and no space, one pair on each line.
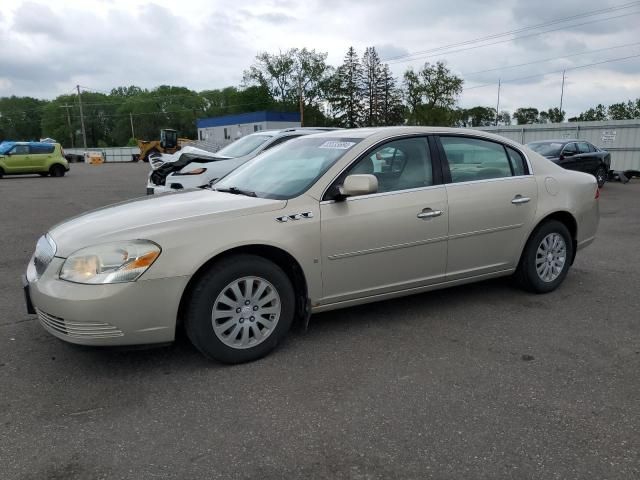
[355,185]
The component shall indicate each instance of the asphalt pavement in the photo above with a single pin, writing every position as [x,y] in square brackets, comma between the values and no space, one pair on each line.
[479,381]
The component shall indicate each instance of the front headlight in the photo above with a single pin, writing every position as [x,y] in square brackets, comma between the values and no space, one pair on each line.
[197,171]
[110,263]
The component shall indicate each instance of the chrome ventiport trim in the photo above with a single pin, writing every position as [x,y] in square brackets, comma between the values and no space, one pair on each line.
[78,329]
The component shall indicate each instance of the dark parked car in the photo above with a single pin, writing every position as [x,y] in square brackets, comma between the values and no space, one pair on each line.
[576,155]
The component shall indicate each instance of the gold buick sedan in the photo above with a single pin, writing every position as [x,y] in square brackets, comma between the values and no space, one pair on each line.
[323,222]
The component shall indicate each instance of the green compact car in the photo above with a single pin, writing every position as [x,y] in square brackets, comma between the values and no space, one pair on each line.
[18,158]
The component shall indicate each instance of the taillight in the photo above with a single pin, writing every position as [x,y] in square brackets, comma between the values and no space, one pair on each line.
[597,193]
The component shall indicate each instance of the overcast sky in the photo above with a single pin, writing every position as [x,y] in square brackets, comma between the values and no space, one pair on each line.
[46,48]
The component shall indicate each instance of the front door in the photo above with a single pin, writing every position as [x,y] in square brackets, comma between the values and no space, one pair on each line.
[492,200]
[568,157]
[18,160]
[392,240]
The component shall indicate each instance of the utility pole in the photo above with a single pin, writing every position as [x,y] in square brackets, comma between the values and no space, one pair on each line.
[562,92]
[69,122]
[133,133]
[498,104]
[84,133]
[301,103]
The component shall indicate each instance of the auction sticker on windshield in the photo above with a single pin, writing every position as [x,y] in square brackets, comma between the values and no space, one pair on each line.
[337,145]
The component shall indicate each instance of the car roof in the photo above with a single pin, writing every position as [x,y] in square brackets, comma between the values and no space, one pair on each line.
[13,143]
[383,132]
[560,140]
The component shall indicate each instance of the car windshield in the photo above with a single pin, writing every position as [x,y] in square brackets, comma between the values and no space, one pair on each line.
[243,146]
[5,147]
[289,169]
[546,149]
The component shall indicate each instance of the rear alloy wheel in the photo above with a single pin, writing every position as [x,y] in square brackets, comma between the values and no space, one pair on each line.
[601,176]
[57,170]
[546,258]
[240,309]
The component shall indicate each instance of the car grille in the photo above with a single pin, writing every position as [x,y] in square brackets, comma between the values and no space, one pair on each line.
[78,329]
[45,251]
[156,161]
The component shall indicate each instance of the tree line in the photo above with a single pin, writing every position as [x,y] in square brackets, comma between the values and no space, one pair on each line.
[360,92]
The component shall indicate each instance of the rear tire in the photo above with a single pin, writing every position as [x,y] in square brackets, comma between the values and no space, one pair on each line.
[1,172]
[601,176]
[240,309]
[546,258]
[57,170]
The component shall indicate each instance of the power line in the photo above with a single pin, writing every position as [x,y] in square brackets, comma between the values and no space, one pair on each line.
[473,47]
[519,30]
[549,59]
[555,71]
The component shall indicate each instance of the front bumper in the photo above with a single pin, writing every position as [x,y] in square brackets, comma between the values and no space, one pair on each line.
[131,313]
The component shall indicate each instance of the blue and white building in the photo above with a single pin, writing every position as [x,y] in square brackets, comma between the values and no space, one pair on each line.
[227,128]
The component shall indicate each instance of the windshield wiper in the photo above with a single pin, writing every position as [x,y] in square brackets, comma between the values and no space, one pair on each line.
[236,191]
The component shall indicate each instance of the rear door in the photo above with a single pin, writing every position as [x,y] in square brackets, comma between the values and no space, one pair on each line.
[492,199]
[40,156]
[586,160]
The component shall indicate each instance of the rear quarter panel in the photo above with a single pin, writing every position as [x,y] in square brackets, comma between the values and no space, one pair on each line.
[561,190]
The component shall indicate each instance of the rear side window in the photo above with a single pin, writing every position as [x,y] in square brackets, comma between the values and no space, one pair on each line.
[473,159]
[583,147]
[41,149]
[518,163]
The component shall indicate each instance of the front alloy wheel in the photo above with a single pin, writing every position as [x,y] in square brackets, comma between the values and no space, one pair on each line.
[240,309]
[246,312]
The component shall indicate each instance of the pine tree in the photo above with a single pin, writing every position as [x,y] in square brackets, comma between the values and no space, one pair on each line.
[347,91]
[392,110]
[372,86]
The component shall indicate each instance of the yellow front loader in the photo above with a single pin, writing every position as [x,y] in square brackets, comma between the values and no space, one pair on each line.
[168,143]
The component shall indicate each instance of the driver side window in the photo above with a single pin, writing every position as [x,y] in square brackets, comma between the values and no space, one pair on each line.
[398,165]
[569,149]
[20,150]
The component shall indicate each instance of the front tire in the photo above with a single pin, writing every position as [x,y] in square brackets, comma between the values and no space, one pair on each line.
[240,309]
[601,176]
[546,258]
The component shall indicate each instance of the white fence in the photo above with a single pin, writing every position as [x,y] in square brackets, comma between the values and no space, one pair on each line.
[110,154]
[620,137]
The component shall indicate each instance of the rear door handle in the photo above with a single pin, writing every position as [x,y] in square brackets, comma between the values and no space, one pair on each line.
[427,213]
[518,199]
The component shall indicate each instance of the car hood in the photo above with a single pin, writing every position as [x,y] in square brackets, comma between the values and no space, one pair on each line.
[148,217]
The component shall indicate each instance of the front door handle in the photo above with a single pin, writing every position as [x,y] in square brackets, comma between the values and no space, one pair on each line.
[427,213]
[518,199]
